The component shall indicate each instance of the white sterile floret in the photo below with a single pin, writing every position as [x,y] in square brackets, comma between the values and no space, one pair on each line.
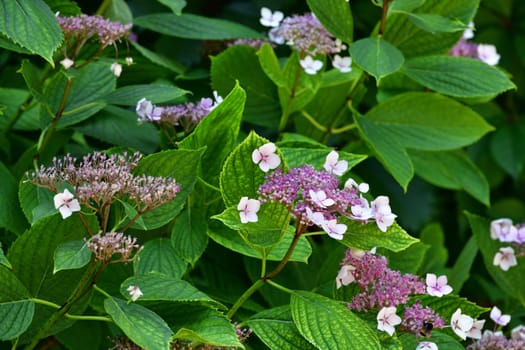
[345,276]
[342,63]
[116,69]
[217,100]
[335,166]
[310,65]
[134,292]
[488,54]
[269,18]
[66,203]
[144,109]
[266,157]
[498,317]
[469,32]
[129,60]
[316,217]
[67,63]
[321,199]
[475,330]
[387,320]
[382,213]
[503,230]
[505,258]
[461,324]
[363,187]
[437,286]
[426,345]
[334,229]
[248,209]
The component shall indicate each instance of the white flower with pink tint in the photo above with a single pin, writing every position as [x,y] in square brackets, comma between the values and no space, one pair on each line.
[461,324]
[335,166]
[134,292]
[475,330]
[503,230]
[382,213]
[334,229]
[310,65]
[67,63]
[505,258]
[321,199]
[342,63]
[488,54]
[269,18]
[437,286]
[345,276]
[363,187]
[266,157]
[316,217]
[116,69]
[248,209]
[426,345]
[66,203]
[498,318]
[387,320]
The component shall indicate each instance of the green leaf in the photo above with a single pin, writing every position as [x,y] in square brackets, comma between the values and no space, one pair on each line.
[452,170]
[11,217]
[64,7]
[204,325]
[16,313]
[376,56]
[71,255]
[414,41]
[368,236]
[118,126]
[270,65]
[335,16]
[190,26]
[159,256]
[156,93]
[435,23]
[32,78]
[118,11]
[276,329]
[159,59]
[144,327]
[18,20]
[404,5]
[13,99]
[408,260]
[175,5]
[234,241]
[458,76]
[36,202]
[3,259]
[460,272]
[89,86]
[506,147]
[188,236]
[182,165]
[437,254]
[328,324]
[161,287]
[511,281]
[240,63]
[218,132]
[296,156]
[448,304]
[442,340]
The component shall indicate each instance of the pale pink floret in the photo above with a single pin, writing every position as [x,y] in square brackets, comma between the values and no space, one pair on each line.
[505,258]
[475,330]
[66,204]
[345,276]
[310,65]
[342,63]
[488,54]
[387,320]
[335,166]
[503,230]
[316,217]
[426,345]
[269,18]
[116,69]
[334,229]
[498,318]
[382,213]
[266,157]
[461,324]
[437,286]
[321,199]
[248,209]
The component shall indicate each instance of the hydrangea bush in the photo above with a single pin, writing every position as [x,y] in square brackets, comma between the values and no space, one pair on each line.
[326,174]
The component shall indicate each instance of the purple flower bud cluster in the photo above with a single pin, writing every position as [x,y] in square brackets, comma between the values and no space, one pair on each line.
[305,34]
[182,114]
[104,246]
[100,179]
[498,341]
[419,319]
[255,43]
[79,29]
[379,285]
[295,188]
[466,48]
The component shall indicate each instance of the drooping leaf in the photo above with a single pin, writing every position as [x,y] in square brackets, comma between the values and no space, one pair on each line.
[18,20]
[142,326]
[329,324]
[159,256]
[191,26]
[335,16]
[376,56]
[71,255]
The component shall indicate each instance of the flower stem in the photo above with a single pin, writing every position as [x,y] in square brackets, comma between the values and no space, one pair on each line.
[383,17]
[67,315]
[244,297]
[278,286]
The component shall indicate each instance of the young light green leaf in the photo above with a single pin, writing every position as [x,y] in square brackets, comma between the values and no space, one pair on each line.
[376,56]
[368,236]
[71,255]
[129,95]
[175,5]
[18,20]
[188,235]
[335,16]
[458,76]
[435,23]
[161,287]
[276,329]
[190,26]
[159,256]
[144,327]
[451,170]
[329,324]
[118,11]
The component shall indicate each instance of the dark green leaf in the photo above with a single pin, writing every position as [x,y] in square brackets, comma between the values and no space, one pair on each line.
[3,259]
[71,255]
[437,254]
[13,99]
[175,5]
[404,5]
[15,318]
[335,16]
[129,95]
[11,217]
[460,272]
[507,145]
[188,236]
[270,65]
[64,7]
[159,256]
[118,11]
[159,59]
[376,56]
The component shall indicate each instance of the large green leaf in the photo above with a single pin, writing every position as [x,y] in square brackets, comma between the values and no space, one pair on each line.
[89,86]
[335,16]
[18,20]
[159,256]
[507,145]
[218,132]
[118,126]
[195,27]
[188,235]
[368,236]
[448,304]
[11,216]
[413,40]
[234,241]
[182,165]
[36,202]
[276,329]
[240,63]
[71,255]
[458,76]
[451,170]
[436,256]
[329,324]
[297,156]
[144,327]
[3,259]
[376,56]
[156,93]
[511,281]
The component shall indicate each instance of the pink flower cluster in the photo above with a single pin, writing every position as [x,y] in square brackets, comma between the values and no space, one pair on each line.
[504,231]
